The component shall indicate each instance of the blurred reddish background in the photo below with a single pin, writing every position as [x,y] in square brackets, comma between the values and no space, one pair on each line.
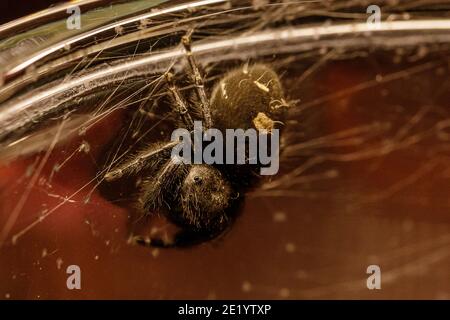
[280,248]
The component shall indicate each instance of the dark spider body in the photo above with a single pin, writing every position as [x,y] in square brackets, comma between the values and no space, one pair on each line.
[203,199]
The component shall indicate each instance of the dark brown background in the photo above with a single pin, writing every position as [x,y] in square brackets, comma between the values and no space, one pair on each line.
[13,9]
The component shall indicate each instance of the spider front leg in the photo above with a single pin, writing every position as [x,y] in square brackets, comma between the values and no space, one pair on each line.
[180,103]
[198,80]
[160,194]
[149,157]
[162,189]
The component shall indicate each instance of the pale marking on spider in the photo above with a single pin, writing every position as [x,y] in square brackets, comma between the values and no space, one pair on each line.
[261,86]
[224,90]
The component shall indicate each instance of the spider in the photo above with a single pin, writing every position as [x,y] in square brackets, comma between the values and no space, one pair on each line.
[202,200]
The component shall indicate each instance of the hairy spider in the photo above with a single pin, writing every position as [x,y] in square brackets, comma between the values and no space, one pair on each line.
[202,200]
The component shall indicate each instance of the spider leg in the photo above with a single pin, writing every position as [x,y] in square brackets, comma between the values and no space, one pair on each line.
[167,178]
[183,238]
[138,162]
[181,106]
[153,198]
[198,80]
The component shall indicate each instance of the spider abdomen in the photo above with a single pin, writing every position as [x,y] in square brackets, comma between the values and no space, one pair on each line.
[245,93]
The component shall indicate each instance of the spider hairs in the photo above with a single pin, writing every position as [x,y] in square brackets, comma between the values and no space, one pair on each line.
[203,199]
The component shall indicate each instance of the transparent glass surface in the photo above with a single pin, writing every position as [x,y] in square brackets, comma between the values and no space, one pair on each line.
[364,168]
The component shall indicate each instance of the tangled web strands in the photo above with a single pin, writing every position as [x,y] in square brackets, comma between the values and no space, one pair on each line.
[368,135]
